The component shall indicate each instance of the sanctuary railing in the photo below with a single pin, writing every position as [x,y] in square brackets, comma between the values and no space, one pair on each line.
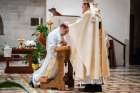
[124,49]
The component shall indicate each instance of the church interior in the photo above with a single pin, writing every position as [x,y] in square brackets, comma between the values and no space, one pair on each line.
[113,51]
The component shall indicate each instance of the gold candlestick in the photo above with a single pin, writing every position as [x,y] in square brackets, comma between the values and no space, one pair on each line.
[50,23]
[21,41]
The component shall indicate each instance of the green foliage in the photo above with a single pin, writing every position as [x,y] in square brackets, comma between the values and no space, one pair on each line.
[9,84]
[39,52]
[42,29]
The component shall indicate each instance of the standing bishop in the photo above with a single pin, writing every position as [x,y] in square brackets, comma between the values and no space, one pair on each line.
[88,45]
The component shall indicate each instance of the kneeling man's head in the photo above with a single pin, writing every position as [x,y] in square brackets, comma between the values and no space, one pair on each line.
[64,29]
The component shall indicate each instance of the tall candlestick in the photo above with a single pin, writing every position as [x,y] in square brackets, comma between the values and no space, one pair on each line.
[49,23]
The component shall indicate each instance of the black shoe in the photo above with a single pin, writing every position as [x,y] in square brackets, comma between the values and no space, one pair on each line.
[92,88]
[31,84]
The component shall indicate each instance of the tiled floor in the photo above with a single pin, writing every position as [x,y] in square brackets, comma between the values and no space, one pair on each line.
[122,80]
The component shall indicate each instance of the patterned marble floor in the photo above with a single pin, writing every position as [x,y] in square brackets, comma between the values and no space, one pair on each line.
[122,80]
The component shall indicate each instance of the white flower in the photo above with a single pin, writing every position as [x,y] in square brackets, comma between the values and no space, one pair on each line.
[30,43]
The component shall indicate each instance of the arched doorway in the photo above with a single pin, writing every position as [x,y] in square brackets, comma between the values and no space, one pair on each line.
[1,26]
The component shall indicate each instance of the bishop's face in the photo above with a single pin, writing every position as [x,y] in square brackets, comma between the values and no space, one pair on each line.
[85,7]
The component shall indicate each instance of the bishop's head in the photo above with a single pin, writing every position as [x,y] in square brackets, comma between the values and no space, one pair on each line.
[85,6]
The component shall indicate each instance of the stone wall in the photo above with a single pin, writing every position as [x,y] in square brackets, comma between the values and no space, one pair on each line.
[16,15]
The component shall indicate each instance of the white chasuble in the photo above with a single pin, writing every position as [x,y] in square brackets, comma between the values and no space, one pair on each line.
[88,48]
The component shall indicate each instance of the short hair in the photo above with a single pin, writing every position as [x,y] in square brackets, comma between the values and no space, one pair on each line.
[87,4]
[64,26]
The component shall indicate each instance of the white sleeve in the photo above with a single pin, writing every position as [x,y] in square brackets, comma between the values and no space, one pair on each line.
[67,39]
[51,42]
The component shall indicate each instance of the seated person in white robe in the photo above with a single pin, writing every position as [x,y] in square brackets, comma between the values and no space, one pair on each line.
[48,70]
